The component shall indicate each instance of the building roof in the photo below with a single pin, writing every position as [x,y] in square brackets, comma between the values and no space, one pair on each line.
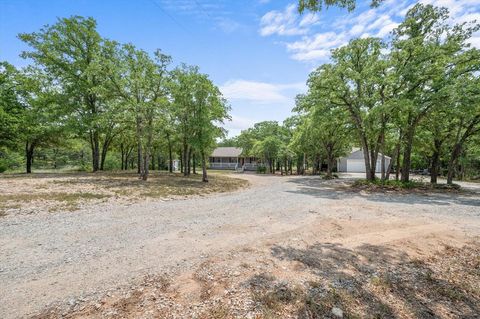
[357,153]
[226,152]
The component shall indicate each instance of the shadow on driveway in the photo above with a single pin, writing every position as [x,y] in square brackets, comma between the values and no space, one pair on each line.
[340,189]
[377,282]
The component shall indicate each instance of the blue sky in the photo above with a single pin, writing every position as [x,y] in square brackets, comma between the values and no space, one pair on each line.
[259,52]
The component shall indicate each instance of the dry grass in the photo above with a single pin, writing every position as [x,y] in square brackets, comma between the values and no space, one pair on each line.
[22,193]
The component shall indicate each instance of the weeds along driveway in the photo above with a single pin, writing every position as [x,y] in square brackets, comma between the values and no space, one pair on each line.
[50,258]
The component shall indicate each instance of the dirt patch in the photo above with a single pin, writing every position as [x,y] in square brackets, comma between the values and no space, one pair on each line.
[286,247]
[29,194]
[370,281]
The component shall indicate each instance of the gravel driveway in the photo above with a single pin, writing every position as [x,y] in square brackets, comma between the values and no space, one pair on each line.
[50,258]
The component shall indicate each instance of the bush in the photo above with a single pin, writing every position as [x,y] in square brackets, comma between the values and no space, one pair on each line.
[397,185]
[10,160]
[333,176]
[261,169]
[390,184]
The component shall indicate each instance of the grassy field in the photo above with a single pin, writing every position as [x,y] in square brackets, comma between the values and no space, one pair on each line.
[53,191]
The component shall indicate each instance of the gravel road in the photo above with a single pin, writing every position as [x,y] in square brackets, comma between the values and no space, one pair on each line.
[48,258]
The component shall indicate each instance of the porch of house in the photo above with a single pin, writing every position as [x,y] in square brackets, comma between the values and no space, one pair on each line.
[233,163]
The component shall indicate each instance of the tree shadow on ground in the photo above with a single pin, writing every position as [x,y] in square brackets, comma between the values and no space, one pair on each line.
[367,282]
[341,189]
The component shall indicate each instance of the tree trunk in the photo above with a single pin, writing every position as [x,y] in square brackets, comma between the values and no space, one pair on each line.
[122,151]
[29,148]
[139,158]
[185,158]
[180,155]
[382,164]
[146,163]
[95,146]
[128,154]
[299,164]
[366,155]
[435,166]
[304,163]
[104,155]
[148,148]
[204,168]
[170,157]
[330,163]
[457,150]
[189,161]
[194,164]
[407,153]
[470,130]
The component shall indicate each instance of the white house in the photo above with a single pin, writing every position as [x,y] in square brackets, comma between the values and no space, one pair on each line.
[231,158]
[355,162]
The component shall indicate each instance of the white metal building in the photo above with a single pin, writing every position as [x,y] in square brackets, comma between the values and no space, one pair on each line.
[355,162]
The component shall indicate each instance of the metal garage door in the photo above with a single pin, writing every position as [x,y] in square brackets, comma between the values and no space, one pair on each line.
[358,165]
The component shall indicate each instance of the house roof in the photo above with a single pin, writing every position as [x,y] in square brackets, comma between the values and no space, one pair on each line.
[227,152]
[357,153]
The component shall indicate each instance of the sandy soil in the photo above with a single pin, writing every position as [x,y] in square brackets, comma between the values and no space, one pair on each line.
[233,255]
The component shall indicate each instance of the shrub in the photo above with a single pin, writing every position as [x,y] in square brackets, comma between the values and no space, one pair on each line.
[261,169]
[390,184]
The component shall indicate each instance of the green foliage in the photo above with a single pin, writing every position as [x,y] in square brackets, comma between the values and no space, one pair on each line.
[422,93]
[84,94]
[390,184]
[318,5]
[269,142]
[11,109]
[261,169]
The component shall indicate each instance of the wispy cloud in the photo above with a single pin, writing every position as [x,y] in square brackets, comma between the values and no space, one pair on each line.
[314,42]
[286,22]
[211,11]
[260,92]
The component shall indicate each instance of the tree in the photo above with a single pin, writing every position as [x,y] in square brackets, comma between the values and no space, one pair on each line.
[139,82]
[11,108]
[266,140]
[426,53]
[466,118]
[210,108]
[198,108]
[40,121]
[318,5]
[357,82]
[269,150]
[327,127]
[69,51]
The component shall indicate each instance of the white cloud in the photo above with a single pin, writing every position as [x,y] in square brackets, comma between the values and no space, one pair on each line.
[376,22]
[286,22]
[316,47]
[239,123]
[461,11]
[259,92]
[228,25]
